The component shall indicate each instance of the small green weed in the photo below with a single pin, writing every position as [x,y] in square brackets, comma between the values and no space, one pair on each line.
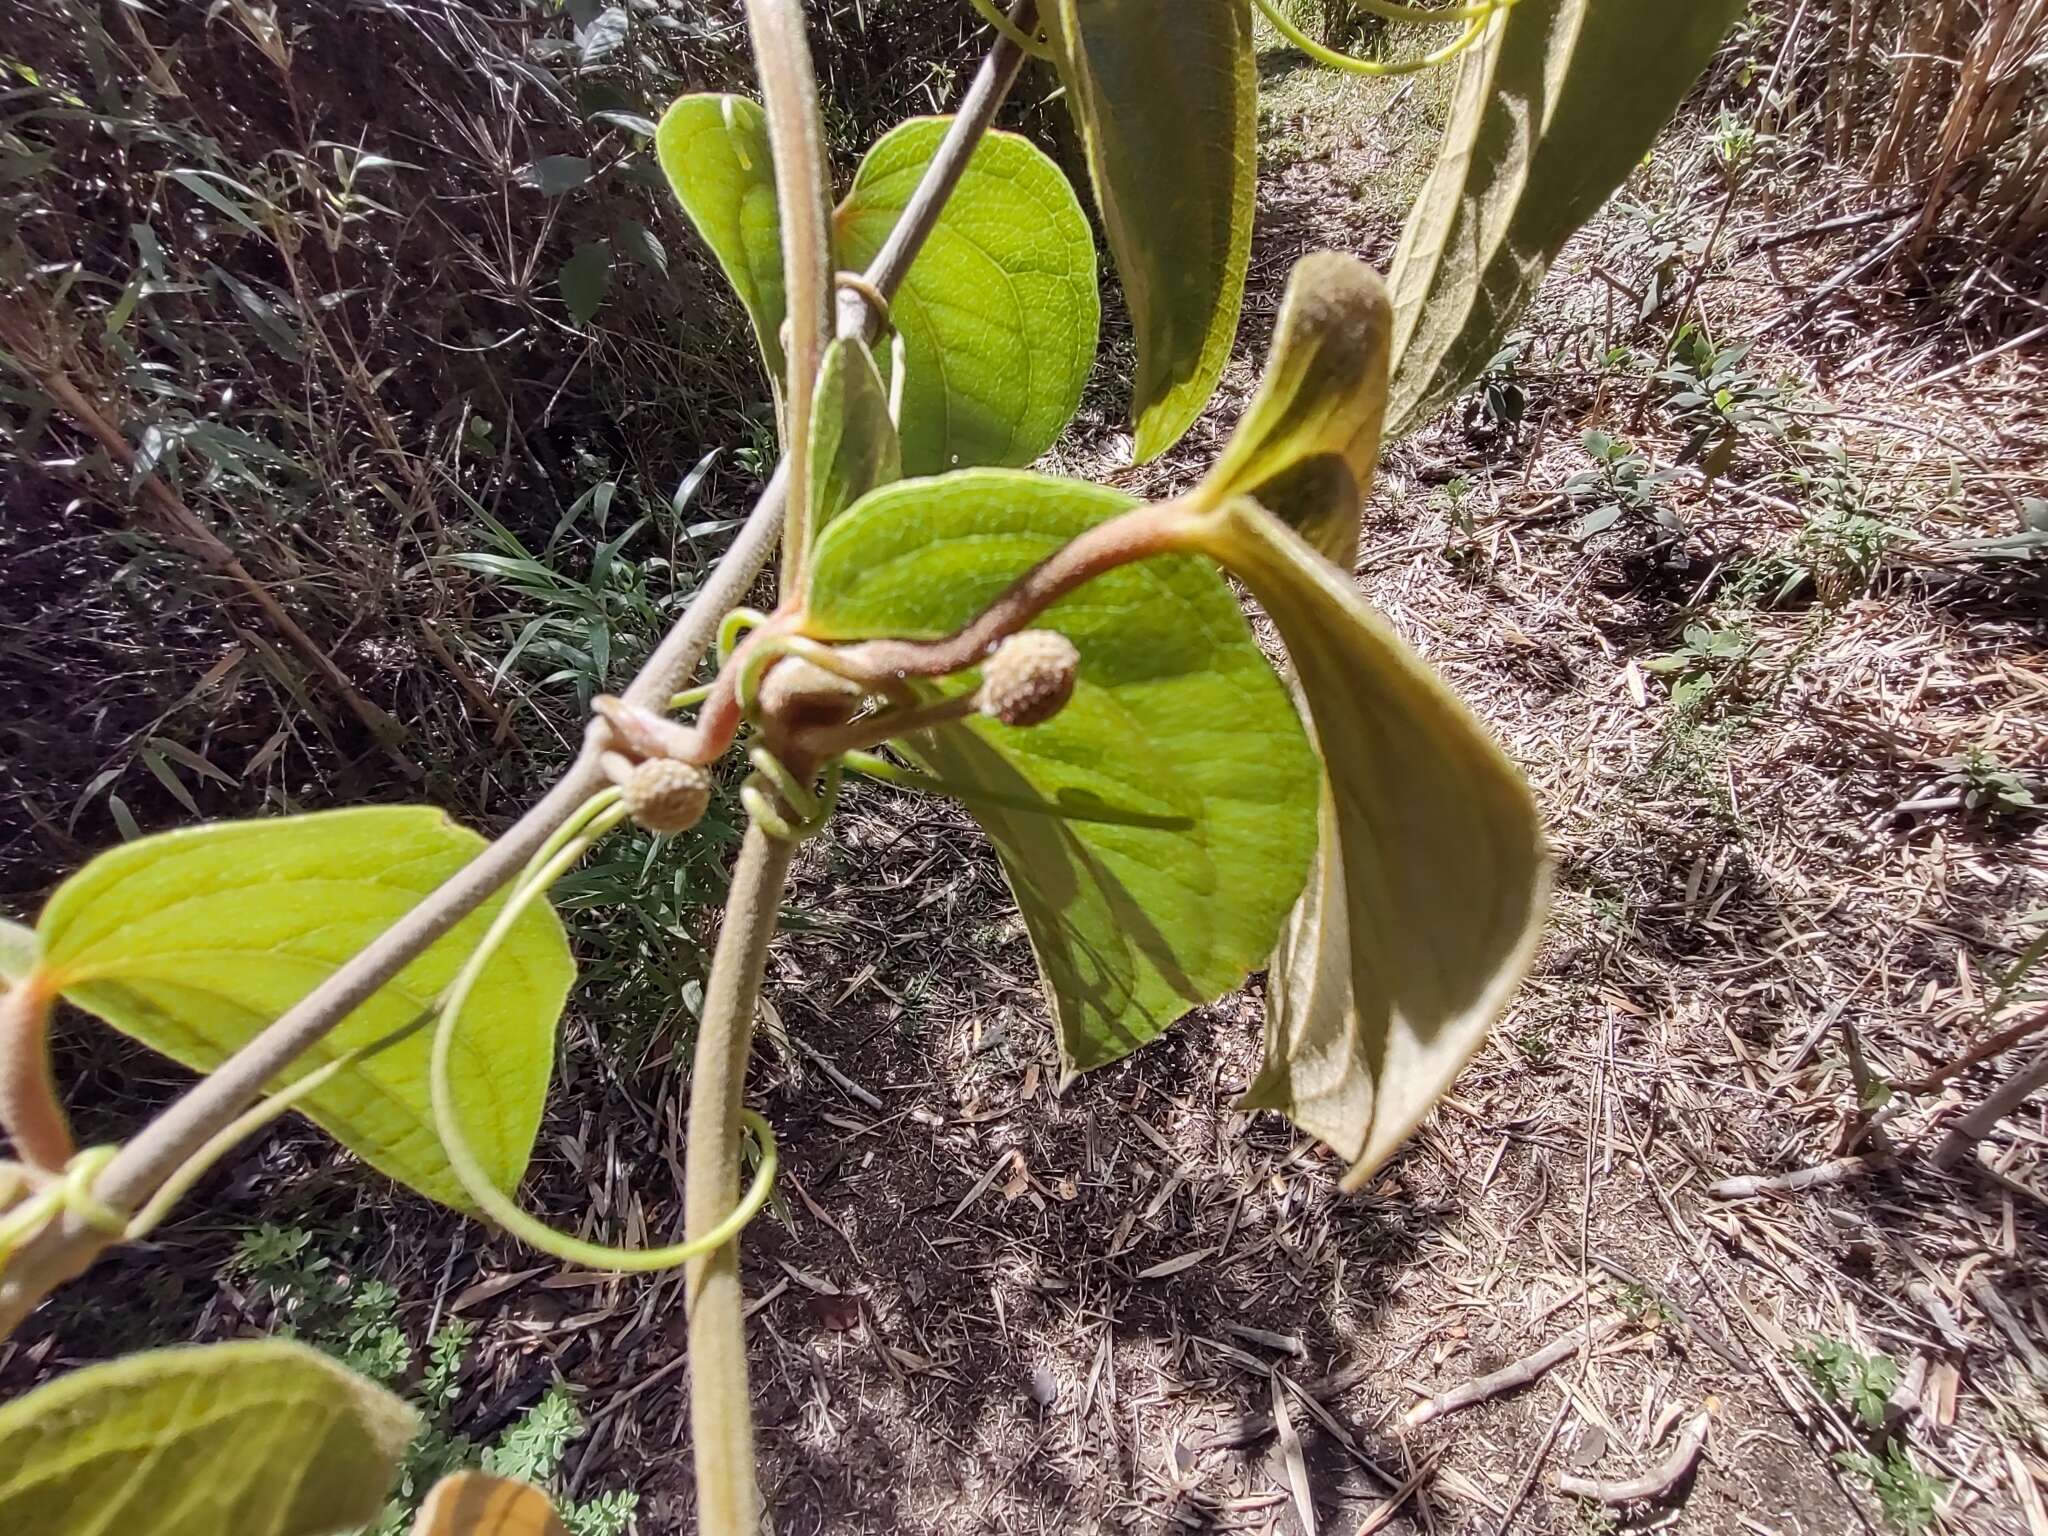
[1621,484]
[1718,401]
[1988,785]
[1843,1374]
[283,1269]
[1905,1495]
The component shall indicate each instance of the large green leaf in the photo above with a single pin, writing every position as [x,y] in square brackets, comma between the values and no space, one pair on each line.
[854,447]
[1176,716]
[1430,881]
[1309,442]
[256,1438]
[192,941]
[1164,93]
[1000,311]
[1549,115]
[715,152]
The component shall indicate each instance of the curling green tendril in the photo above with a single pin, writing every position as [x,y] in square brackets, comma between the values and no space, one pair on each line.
[1475,18]
[597,816]
[69,1191]
[813,808]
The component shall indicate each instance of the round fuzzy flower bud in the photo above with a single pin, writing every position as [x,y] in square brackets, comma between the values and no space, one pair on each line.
[800,694]
[1029,678]
[665,795]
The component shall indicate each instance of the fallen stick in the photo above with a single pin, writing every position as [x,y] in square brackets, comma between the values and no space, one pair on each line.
[1652,1486]
[1840,1171]
[1509,1377]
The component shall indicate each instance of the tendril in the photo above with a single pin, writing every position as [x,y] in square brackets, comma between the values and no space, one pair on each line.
[70,1190]
[1475,17]
[597,816]
[813,808]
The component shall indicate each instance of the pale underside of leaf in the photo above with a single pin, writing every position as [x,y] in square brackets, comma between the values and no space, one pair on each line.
[999,313]
[1548,116]
[252,1438]
[192,941]
[1164,93]
[1427,899]
[854,447]
[1322,397]
[1176,716]
[715,152]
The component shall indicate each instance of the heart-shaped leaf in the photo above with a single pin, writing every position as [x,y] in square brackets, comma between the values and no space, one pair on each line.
[479,1504]
[1323,396]
[1549,115]
[1430,882]
[1164,93]
[854,447]
[1177,717]
[1000,311]
[714,150]
[998,315]
[260,1437]
[192,941]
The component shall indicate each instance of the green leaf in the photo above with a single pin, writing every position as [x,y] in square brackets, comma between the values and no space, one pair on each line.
[715,152]
[1176,715]
[584,278]
[853,442]
[999,313]
[1548,117]
[639,242]
[261,1437]
[1164,93]
[1322,397]
[192,941]
[20,949]
[1429,887]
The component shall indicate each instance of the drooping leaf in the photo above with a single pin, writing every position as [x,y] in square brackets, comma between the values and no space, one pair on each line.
[584,278]
[1322,397]
[602,37]
[261,1437]
[854,447]
[1549,115]
[480,1504]
[1177,717]
[999,313]
[1430,881]
[715,152]
[192,941]
[1164,93]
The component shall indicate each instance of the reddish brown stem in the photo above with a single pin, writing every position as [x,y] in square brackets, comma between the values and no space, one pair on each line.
[1135,535]
[30,1112]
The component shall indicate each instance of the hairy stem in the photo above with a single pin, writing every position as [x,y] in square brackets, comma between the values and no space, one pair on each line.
[31,1115]
[1134,535]
[976,116]
[803,190]
[721,1417]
